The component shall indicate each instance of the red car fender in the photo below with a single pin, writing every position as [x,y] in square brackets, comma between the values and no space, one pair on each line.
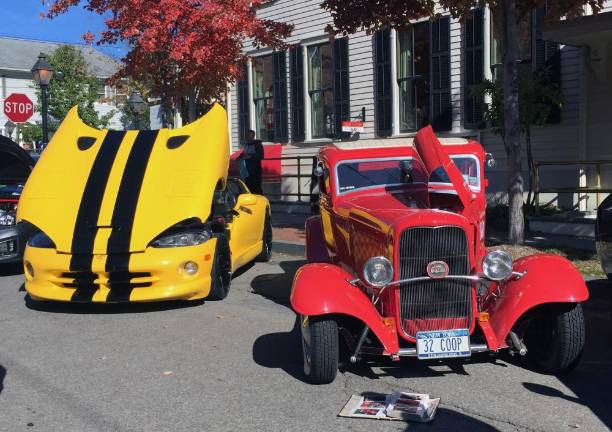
[548,279]
[316,250]
[321,289]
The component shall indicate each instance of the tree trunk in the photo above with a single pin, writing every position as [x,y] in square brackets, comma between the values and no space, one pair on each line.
[531,165]
[191,116]
[512,124]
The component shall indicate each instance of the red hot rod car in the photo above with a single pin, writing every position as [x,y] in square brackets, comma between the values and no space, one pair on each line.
[398,266]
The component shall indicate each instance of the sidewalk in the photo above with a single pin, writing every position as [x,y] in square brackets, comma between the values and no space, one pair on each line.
[289,238]
[288,230]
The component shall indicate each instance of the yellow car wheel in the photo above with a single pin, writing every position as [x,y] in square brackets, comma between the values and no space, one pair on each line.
[221,273]
[266,250]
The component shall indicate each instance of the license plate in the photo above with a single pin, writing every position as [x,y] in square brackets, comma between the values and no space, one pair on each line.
[443,344]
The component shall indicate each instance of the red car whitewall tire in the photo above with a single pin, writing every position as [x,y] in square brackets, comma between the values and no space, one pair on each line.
[319,349]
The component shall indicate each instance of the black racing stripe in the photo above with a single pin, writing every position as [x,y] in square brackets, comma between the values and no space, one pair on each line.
[85,230]
[118,247]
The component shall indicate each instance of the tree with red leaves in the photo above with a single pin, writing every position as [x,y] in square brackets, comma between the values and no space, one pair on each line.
[181,48]
[352,15]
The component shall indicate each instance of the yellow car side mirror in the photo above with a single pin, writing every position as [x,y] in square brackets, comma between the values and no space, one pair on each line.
[247,200]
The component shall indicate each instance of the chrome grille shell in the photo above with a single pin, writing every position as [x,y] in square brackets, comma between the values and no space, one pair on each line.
[435,304]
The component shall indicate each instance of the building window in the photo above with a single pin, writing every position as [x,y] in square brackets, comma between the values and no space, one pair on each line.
[412,73]
[413,78]
[321,90]
[319,82]
[263,97]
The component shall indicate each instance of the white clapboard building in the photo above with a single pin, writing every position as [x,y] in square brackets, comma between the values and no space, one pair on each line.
[17,56]
[397,82]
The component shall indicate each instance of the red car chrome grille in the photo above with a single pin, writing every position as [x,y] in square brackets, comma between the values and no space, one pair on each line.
[436,304]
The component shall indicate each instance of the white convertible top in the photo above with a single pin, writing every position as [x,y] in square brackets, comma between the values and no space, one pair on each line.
[392,142]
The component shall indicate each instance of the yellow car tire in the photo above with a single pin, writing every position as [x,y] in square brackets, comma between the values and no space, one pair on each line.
[221,273]
[266,250]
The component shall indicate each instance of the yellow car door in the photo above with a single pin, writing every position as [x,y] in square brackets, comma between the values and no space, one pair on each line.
[247,225]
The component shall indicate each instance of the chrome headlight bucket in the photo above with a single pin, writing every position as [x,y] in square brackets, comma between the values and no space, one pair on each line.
[497,265]
[378,271]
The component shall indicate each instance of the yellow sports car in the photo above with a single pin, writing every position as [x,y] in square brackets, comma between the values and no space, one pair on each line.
[139,215]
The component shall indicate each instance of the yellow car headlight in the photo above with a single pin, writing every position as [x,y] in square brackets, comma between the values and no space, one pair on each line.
[181,239]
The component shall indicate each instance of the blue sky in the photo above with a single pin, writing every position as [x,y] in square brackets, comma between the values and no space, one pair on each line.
[21,18]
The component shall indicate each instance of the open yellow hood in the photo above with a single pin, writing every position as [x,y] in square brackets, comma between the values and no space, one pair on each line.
[99,191]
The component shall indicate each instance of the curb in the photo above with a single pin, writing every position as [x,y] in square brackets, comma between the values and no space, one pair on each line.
[289,248]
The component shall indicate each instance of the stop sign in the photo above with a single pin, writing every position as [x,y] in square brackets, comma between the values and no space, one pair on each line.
[18,108]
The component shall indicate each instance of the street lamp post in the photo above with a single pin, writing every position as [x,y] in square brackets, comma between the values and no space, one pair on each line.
[9,127]
[138,105]
[43,72]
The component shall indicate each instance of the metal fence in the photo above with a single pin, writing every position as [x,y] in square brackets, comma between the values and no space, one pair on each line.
[304,167]
[597,189]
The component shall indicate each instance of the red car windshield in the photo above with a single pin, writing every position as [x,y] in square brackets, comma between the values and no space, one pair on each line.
[468,167]
[360,174]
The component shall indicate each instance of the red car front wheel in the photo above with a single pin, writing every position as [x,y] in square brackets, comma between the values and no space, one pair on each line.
[555,339]
[320,349]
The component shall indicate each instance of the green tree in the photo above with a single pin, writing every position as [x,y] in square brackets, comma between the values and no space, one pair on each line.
[72,85]
[539,99]
[31,132]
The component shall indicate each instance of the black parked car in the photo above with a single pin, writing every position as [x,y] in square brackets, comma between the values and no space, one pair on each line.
[603,235]
[15,167]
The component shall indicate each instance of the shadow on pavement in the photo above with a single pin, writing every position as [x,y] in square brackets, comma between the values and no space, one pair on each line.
[277,287]
[281,351]
[12,269]
[2,375]
[107,308]
[413,368]
[591,381]
[242,270]
[450,420]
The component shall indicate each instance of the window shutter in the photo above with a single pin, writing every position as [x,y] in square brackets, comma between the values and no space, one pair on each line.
[384,96]
[280,96]
[547,54]
[341,85]
[474,68]
[439,87]
[297,93]
[243,104]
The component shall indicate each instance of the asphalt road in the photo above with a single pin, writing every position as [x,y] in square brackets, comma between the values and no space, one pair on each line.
[236,365]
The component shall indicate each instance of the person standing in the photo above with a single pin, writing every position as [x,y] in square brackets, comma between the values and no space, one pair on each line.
[253,154]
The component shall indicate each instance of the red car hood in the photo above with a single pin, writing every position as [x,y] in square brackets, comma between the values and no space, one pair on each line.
[384,210]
